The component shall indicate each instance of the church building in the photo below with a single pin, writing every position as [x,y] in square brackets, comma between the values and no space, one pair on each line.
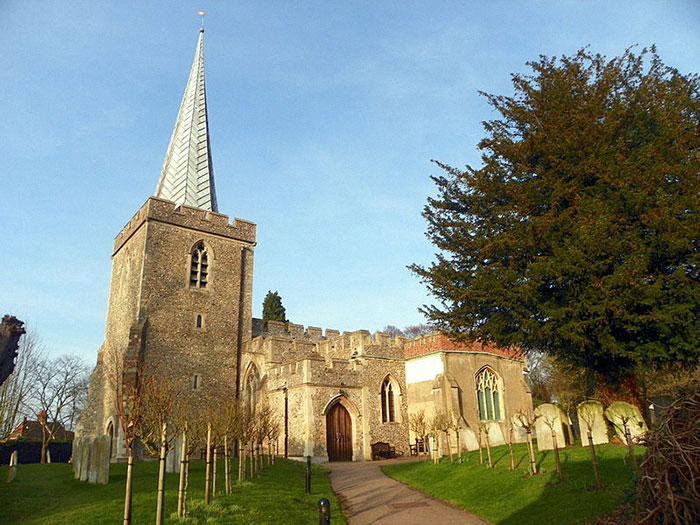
[180,302]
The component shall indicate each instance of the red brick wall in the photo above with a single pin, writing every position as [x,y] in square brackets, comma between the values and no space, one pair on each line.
[437,342]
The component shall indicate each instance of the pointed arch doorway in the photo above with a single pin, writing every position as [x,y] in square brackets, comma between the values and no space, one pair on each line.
[339,433]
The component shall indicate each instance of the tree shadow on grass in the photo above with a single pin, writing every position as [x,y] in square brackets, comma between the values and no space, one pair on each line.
[574,500]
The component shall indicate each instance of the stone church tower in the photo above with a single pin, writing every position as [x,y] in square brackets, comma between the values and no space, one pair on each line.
[181,281]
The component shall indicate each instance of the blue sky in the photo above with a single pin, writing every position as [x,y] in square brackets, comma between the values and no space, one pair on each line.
[323,118]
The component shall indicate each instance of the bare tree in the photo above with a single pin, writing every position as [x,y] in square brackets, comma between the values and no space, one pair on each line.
[14,392]
[161,401]
[526,420]
[124,381]
[485,429]
[455,423]
[193,426]
[418,424]
[416,330]
[58,388]
[589,416]
[551,422]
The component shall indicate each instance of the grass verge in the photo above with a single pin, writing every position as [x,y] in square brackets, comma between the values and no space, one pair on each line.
[514,497]
[48,494]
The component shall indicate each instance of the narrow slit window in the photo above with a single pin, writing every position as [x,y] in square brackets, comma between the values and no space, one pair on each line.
[198,322]
[195,382]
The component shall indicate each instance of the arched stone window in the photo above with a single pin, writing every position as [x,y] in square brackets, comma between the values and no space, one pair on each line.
[110,433]
[488,395]
[388,401]
[252,387]
[199,266]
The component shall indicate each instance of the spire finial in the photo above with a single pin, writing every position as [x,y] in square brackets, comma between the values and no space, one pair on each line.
[201,26]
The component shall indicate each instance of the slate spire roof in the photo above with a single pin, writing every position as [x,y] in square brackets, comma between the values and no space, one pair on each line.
[187,175]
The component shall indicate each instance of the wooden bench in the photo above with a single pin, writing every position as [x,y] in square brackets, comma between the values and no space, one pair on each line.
[381,450]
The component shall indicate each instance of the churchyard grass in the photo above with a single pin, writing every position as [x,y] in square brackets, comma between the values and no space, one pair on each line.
[514,497]
[48,494]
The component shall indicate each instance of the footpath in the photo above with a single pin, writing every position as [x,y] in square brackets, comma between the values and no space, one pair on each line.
[367,496]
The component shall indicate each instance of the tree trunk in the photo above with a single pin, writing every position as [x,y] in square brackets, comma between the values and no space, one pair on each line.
[213,472]
[161,474]
[181,484]
[227,467]
[630,449]
[557,461]
[510,449]
[459,450]
[449,445]
[252,459]
[207,473]
[488,450]
[127,495]
[531,452]
[241,461]
[481,450]
[594,459]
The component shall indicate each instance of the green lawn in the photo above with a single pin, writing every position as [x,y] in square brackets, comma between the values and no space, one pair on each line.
[513,497]
[43,494]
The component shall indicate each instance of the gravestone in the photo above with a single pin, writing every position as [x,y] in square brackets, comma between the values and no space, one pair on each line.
[495,433]
[172,460]
[76,457]
[622,414]
[590,414]
[12,472]
[550,414]
[85,459]
[519,433]
[100,460]
[467,439]
[92,462]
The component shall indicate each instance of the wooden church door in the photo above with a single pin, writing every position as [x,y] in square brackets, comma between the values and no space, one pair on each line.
[339,434]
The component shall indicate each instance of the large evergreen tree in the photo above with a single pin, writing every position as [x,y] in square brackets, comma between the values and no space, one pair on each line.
[580,234]
[273,309]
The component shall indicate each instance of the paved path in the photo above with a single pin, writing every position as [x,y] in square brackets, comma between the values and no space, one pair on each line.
[367,495]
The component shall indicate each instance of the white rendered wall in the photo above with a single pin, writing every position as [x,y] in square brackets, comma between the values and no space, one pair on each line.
[424,368]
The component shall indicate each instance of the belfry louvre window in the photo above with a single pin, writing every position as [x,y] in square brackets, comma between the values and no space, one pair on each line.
[388,414]
[488,396]
[199,267]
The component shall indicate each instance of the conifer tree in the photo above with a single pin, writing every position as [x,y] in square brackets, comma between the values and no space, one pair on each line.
[273,309]
[580,234]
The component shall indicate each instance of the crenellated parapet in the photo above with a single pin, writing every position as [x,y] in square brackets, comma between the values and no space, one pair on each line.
[155,209]
[282,342]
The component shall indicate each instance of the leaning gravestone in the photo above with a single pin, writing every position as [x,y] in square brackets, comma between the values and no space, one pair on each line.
[551,417]
[12,472]
[622,415]
[590,416]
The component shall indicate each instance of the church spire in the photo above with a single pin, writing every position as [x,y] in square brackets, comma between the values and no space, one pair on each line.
[187,175]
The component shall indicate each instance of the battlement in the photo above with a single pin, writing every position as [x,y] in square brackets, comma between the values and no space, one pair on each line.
[162,210]
[437,342]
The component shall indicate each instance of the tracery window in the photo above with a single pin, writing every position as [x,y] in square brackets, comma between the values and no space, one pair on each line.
[388,410]
[488,396]
[199,266]
[252,385]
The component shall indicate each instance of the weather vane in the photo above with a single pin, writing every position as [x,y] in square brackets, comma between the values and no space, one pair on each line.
[201,13]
